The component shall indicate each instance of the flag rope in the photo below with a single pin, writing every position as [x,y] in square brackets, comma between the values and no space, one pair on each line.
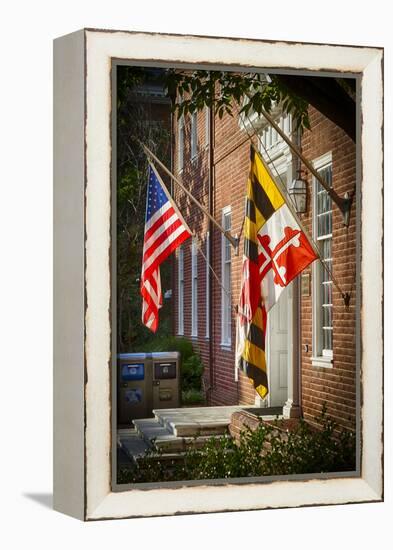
[228,293]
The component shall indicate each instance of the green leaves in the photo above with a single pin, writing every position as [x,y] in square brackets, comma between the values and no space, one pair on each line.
[230,93]
[269,450]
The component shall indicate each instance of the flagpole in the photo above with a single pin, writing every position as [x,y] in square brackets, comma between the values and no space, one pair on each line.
[229,294]
[170,198]
[345,296]
[284,193]
[189,230]
[234,241]
[343,203]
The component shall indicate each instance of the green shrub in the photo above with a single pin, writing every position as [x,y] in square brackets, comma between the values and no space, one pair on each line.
[191,366]
[169,343]
[266,451]
[191,373]
[192,397]
[307,450]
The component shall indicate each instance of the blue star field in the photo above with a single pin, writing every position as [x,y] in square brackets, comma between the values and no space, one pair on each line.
[156,197]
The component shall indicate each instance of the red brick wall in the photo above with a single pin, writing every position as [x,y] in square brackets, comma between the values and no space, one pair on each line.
[334,386]
[195,177]
[231,173]
[229,188]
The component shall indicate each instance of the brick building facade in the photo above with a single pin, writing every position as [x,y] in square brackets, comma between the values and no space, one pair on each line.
[311,332]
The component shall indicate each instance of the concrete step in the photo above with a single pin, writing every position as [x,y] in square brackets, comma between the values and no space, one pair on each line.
[185,429]
[134,448]
[149,428]
[196,421]
[157,436]
[176,444]
[174,431]
[131,444]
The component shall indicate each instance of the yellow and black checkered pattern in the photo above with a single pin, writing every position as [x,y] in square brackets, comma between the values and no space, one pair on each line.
[262,200]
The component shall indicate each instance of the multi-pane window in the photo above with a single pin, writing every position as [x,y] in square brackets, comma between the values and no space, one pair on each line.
[194,288]
[270,138]
[323,285]
[194,135]
[207,254]
[180,278]
[181,144]
[226,312]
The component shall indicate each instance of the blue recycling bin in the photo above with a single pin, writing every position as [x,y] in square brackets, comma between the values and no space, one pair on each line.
[134,395]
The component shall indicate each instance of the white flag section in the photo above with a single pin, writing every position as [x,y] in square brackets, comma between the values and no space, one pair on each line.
[284,251]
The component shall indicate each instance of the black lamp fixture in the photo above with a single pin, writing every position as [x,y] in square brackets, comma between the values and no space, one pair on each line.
[298,193]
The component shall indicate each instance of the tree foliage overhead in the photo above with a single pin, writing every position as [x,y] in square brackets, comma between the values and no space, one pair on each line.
[225,91]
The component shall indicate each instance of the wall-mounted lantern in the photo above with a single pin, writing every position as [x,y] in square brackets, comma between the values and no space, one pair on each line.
[298,193]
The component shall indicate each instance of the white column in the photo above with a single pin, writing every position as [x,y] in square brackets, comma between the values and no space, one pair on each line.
[291,408]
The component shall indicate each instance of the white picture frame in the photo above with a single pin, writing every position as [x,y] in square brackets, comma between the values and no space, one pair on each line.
[83,423]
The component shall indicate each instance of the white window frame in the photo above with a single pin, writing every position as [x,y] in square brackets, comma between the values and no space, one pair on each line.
[226,301]
[320,358]
[207,253]
[180,295]
[194,288]
[181,141]
[194,135]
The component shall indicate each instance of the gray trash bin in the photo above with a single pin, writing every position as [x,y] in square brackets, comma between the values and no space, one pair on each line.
[166,380]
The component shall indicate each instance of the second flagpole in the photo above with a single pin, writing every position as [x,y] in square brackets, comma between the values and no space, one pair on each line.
[233,240]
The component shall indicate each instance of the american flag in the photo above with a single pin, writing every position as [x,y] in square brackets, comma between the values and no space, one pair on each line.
[165,230]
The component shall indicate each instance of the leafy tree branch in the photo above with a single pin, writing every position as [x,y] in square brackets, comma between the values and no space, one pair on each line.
[251,92]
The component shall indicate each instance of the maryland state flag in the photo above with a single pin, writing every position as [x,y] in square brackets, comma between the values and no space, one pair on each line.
[276,250]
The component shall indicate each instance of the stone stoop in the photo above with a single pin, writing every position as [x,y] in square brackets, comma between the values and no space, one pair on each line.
[176,430]
[188,428]
[134,447]
[168,439]
[197,421]
[131,444]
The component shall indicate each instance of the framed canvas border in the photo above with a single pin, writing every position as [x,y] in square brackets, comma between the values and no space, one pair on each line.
[99,500]
[113,121]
